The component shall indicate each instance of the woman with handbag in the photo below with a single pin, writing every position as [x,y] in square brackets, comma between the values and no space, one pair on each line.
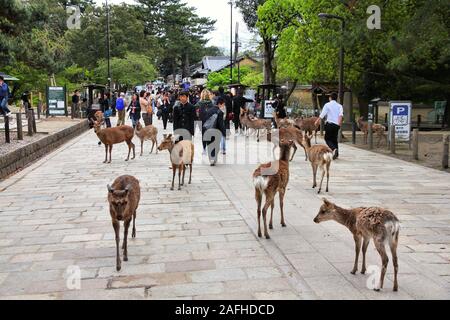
[135,110]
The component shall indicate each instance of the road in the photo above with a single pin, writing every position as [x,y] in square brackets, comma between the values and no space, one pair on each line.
[201,243]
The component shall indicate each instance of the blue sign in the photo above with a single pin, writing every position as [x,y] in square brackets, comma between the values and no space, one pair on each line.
[400,120]
[400,110]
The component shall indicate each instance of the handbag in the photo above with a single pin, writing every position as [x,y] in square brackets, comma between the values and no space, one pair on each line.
[108,113]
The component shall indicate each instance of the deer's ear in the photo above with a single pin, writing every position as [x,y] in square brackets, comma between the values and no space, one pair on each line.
[165,136]
[169,136]
[327,203]
[110,190]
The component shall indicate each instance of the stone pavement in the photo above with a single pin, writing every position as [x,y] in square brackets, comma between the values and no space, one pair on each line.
[200,243]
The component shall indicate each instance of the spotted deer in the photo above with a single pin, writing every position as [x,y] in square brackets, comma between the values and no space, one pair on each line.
[308,125]
[321,157]
[112,136]
[148,133]
[378,224]
[269,179]
[378,129]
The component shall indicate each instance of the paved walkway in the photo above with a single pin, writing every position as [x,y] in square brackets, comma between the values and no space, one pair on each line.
[200,243]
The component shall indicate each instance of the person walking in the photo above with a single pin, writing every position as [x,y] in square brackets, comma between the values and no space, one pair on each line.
[106,109]
[239,102]
[221,104]
[149,99]
[135,110]
[4,96]
[278,107]
[184,115]
[334,114]
[228,106]
[166,109]
[144,107]
[202,107]
[215,120]
[120,107]
[75,102]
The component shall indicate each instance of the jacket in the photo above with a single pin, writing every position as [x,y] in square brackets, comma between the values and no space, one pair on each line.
[184,117]
[135,110]
[202,108]
[220,124]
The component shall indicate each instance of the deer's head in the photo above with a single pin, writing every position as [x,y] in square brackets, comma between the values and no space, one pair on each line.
[118,201]
[97,126]
[138,126]
[167,143]
[327,212]
[307,139]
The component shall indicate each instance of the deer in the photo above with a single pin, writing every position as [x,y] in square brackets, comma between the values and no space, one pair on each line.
[292,133]
[283,123]
[181,155]
[308,125]
[269,179]
[378,129]
[321,157]
[147,133]
[375,223]
[256,124]
[112,136]
[123,197]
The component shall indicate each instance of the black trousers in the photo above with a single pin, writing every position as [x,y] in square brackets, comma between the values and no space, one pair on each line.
[165,119]
[331,136]
[236,120]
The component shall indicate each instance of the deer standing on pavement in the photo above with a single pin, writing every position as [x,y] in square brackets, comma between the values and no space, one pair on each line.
[292,133]
[256,124]
[365,223]
[148,133]
[123,197]
[112,136]
[181,156]
[269,179]
[378,129]
[308,125]
[321,157]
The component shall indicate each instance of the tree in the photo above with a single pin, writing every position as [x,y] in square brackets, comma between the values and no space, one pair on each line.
[249,76]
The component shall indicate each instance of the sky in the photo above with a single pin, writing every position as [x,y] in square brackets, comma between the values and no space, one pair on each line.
[218,10]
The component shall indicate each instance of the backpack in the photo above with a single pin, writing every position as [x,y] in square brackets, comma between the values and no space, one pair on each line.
[211,122]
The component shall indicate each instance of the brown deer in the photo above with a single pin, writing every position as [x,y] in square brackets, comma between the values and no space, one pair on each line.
[181,155]
[123,197]
[292,133]
[148,133]
[365,223]
[269,179]
[308,125]
[112,136]
[283,123]
[321,157]
[256,124]
[378,129]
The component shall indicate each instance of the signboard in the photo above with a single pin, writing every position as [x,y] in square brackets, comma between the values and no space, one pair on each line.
[268,108]
[56,101]
[400,119]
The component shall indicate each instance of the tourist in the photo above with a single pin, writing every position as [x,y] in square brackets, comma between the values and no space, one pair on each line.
[135,110]
[239,102]
[202,108]
[166,110]
[120,107]
[184,115]
[4,96]
[214,119]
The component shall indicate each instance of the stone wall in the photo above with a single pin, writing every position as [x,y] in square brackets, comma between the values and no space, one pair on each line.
[20,158]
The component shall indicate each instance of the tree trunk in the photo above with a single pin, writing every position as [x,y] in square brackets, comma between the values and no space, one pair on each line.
[363,107]
[186,64]
[268,72]
[294,85]
[447,113]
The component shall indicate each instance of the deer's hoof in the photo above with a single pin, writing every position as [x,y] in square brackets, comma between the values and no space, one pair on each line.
[318,192]
[126,160]
[283,225]
[376,290]
[363,271]
[267,237]
[353,272]
[259,235]
[171,189]
[118,267]
[270,227]
[395,289]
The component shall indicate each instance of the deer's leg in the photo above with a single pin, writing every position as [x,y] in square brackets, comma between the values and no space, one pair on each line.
[180,168]
[125,240]
[190,173]
[134,150]
[314,167]
[116,226]
[110,153]
[133,235]
[106,154]
[272,206]
[258,197]
[321,180]
[142,147]
[357,239]
[379,245]
[174,169]
[306,153]
[184,174]
[282,192]
[153,145]
[393,245]
[129,150]
[295,151]
[364,251]
[328,175]
[269,199]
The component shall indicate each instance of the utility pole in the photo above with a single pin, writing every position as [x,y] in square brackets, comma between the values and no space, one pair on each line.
[108,45]
[231,42]
[236,51]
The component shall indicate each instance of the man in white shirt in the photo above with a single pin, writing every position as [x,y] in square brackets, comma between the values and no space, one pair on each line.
[334,113]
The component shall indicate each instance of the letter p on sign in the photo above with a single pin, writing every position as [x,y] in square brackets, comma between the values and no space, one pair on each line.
[374,21]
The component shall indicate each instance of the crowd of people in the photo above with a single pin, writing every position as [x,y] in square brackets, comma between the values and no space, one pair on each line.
[205,109]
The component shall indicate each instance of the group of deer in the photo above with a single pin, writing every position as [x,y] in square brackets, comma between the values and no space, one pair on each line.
[374,223]
[378,130]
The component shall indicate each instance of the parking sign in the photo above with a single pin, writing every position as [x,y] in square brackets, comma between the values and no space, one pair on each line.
[400,118]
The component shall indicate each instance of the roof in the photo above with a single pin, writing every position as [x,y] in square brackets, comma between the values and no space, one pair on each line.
[8,77]
[327,88]
[214,64]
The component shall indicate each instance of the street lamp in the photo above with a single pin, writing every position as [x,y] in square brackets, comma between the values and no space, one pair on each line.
[108,45]
[341,54]
[231,42]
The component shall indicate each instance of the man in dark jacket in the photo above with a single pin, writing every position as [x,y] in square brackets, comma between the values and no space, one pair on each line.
[228,105]
[214,120]
[278,107]
[239,102]
[184,115]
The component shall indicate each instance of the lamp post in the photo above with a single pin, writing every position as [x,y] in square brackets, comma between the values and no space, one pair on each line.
[231,42]
[341,55]
[108,45]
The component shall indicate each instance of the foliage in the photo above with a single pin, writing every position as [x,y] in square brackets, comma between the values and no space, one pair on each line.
[249,76]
